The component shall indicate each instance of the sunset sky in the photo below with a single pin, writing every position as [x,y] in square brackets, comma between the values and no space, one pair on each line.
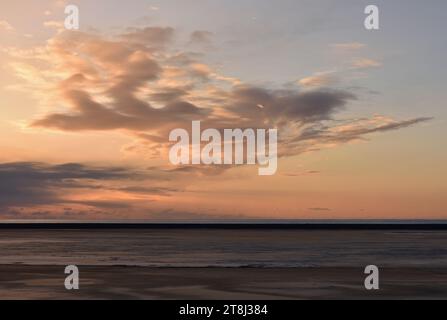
[86,115]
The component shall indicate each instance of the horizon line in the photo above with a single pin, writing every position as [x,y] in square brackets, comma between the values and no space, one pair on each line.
[339,224]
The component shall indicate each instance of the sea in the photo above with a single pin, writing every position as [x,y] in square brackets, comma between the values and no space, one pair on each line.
[186,246]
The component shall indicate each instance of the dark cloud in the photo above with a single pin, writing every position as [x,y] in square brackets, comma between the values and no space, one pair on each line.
[201,37]
[150,36]
[392,126]
[324,134]
[183,59]
[275,105]
[200,171]
[149,190]
[129,113]
[178,215]
[27,184]
[319,209]
[168,95]
[300,174]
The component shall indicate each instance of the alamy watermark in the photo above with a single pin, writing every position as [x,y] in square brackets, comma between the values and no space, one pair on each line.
[72,17]
[372,280]
[72,279]
[372,18]
[225,149]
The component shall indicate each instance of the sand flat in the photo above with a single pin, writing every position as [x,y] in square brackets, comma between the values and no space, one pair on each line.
[105,282]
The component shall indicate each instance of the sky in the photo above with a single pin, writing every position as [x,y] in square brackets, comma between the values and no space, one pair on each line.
[85,115]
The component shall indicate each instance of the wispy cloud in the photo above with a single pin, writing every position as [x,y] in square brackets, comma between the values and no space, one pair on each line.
[320,79]
[53,24]
[365,63]
[201,38]
[5,25]
[348,47]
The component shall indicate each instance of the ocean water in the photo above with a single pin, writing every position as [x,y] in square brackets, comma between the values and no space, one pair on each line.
[224,248]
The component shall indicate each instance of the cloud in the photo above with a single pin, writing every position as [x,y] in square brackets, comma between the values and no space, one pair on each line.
[53,24]
[319,209]
[28,184]
[168,94]
[365,63]
[286,105]
[348,47]
[183,215]
[138,83]
[201,38]
[356,131]
[300,174]
[320,136]
[37,190]
[204,171]
[321,79]
[5,25]
[150,36]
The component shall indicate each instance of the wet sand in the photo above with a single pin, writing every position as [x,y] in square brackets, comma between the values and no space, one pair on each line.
[115,282]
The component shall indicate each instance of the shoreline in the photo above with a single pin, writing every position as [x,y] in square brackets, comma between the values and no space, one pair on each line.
[398,226]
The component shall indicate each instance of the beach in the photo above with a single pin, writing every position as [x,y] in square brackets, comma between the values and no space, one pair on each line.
[47,282]
[223,264]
